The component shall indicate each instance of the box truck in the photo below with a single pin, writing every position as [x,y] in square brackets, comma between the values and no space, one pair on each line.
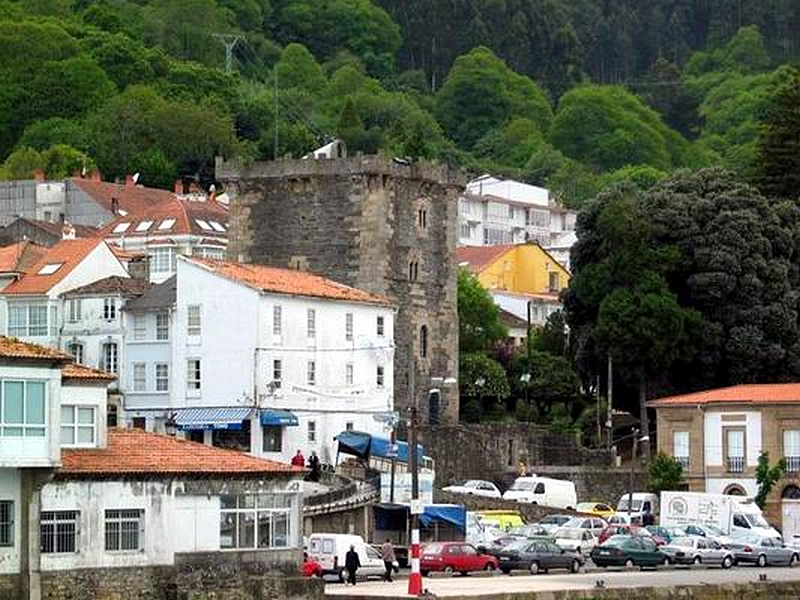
[679,509]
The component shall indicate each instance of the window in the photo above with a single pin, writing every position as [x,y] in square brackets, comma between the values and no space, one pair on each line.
[143,226]
[54,320]
[6,523]
[791,450]
[423,341]
[193,320]
[76,350]
[27,320]
[121,227]
[272,438]
[166,224]
[422,218]
[464,230]
[59,531]
[112,415]
[203,225]
[255,521]
[276,320]
[554,285]
[380,326]
[217,226]
[413,270]
[162,326]
[22,410]
[139,377]
[312,432]
[312,372]
[311,323]
[680,447]
[162,260]
[139,327]
[139,423]
[348,327]
[162,377]
[379,377]
[736,445]
[277,373]
[109,308]
[49,269]
[124,530]
[74,310]
[348,374]
[77,425]
[109,357]
[348,426]
[193,374]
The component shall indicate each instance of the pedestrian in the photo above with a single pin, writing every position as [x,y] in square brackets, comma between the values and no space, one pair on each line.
[387,554]
[298,460]
[313,464]
[351,565]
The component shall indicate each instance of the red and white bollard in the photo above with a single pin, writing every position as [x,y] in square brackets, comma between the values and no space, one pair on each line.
[415,578]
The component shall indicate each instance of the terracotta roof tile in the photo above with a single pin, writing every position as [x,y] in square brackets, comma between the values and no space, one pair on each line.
[19,257]
[136,452]
[766,393]
[287,281]
[76,371]
[67,253]
[480,257]
[124,286]
[14,348]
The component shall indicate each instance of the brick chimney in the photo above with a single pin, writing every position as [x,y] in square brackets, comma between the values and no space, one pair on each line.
[67,231]
[139,267]
[178,188]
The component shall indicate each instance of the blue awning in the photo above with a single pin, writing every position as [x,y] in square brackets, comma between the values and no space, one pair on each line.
[211,418]
[279,417]
[364,445]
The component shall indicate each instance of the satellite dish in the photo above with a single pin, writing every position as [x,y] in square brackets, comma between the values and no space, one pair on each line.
[135,177]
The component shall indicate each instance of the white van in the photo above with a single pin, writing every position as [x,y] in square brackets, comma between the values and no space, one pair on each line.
[748,518]
[329,550]
[545,491]
[641,503]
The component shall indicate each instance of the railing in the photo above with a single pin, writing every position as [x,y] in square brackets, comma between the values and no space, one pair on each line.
[736,464]
[793,464]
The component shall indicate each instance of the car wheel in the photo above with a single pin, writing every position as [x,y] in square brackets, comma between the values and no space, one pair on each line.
[448,570]
[341,576]
[488,567]
[697,560]
[506,571]
[576,566]
[534,568]
[629,563]
[762,560]
[424,572]
[727,562]
[793,560]
[667,561]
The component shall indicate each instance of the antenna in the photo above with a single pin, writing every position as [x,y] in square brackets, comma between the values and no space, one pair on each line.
[228,40]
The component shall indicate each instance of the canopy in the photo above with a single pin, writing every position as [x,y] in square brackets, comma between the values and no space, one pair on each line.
[279,417]
[364,445]
[453,514]
[211,418]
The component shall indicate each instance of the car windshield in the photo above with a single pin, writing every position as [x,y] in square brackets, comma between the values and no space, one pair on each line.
[568,534]
[523,485]
[756,521]
[623,505]
[683,542]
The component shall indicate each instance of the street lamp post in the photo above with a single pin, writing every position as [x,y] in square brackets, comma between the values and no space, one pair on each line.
[526,379]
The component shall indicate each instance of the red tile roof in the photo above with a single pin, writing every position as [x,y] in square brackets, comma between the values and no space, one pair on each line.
[19,257]
[480,257]
[67,253]
[766,393]
[76,371]
[13,348]
[136,452]
[287,281]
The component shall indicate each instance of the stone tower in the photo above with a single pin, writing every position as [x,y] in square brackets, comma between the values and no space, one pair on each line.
[372,223]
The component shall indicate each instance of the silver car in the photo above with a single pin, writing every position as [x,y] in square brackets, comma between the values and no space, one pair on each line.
[694,550]
[763,551]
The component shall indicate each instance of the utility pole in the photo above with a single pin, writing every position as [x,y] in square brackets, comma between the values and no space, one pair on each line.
[609,421]
[228,40]
[415,578]
[634,443]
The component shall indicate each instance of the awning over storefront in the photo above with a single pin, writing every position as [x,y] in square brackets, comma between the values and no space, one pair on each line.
[279,417]
[211,418]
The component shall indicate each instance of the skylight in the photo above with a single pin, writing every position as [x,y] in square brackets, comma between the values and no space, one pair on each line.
[122,213]
[203,225]
[217,226]
[166,224]
[50,268]
[122,228]
[144,226]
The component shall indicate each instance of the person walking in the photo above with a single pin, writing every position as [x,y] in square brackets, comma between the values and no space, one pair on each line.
[298,460]
[387,554]
[351,565]
[313,464]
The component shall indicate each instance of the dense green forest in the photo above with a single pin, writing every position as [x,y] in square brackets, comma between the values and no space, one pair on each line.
[569,94]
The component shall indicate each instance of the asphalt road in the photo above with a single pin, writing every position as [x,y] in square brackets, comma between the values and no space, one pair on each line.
[480,584]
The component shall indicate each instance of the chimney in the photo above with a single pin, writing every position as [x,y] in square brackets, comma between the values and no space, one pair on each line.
[95,175]
[38,175]
[178,186]
[67,231]
[212,193]
[139,267]
[129,182]
[115,205]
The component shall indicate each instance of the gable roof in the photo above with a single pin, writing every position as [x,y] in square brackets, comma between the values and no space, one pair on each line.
[114,285]
[82,372]
[766,393]
[286,281]
[480,257]
[136,452]
[19,257]
[11,348]
[66,253]
[159,295]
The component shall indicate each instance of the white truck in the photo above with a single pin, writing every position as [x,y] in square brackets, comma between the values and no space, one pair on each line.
[731,514]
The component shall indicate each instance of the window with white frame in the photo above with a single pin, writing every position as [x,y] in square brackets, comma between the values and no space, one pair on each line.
[255,521]
[379,376]
[311,323]
[735,439]
[109,357]
[162,260]
[27,320]
[348,327]
[193,320]
[277,373]
[139,377]
[109,309]
[77,425]
[74,311]
[680,447]
[276,320]
[791,450]
[380,326]
[6,523]
[22,409]
[58,531]
[162,377]
[76,350]
[124,530]
[162,326]
[139,327]
[348,374]
[311,432]
[311,371]
[193,374]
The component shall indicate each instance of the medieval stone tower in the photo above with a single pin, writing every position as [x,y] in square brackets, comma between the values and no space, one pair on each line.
[372,223]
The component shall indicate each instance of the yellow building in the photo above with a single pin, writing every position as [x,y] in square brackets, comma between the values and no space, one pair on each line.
[519,268]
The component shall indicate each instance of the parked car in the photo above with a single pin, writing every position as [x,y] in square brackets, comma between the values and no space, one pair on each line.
[619,519]
[575,539]
[501,542]
[475,487]
[598,509]
[628,551]
[538,556]
[595,524]
[666,533]
[710,532]
[693,550]
[544,491]
[532,530]
[553,522]
[633,530]
[763,551]
[452,557]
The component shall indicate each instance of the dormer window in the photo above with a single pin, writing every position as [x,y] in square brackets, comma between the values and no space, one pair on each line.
[203,225]
[50,268]
[166,224]
[122,227]
[144,226]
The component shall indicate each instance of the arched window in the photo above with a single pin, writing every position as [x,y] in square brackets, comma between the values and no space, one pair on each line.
[734,490]
[423,341]
[791,492]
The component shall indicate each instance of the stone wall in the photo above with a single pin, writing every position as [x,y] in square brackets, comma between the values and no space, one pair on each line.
[10,587]
[358,221]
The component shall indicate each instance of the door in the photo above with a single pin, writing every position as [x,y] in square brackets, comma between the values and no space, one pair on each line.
[452,557]
[470,559]
[560,559]
[790,522]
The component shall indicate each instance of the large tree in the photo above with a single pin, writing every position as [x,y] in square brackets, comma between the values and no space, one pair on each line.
[479,325]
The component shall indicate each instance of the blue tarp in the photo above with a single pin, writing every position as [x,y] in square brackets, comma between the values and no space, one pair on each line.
[279,417]
[364,445]
[453,514]
[380,448]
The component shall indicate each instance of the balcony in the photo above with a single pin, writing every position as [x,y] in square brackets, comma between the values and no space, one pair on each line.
[793,464]
[736,464]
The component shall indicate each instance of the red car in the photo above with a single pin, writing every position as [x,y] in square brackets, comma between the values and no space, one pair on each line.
[624,529]
[455,556]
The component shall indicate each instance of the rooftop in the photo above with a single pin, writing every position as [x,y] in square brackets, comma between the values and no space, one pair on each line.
[136,452]
[114,285]
[14,348]
[480,257]
[765,393]
[19,257]
[53,266]
[159,295]
[54,230]
[287,281]
[76,371]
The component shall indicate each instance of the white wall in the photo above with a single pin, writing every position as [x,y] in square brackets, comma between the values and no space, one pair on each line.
[99,264]
[149,351]
[712,436]
[10,490]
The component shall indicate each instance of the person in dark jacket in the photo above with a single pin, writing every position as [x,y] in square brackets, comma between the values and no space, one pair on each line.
[351,565]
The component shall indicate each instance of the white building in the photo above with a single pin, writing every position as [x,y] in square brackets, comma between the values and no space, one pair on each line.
[499,211]
[276,360]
